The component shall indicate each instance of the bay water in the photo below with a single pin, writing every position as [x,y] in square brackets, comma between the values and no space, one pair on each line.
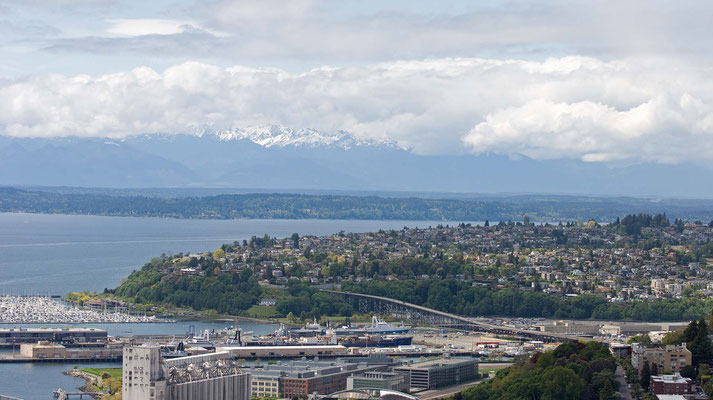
[54,254]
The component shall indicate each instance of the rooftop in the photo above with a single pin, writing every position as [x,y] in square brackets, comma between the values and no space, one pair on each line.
[441,362]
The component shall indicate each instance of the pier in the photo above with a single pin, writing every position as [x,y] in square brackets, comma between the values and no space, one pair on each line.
[62,395]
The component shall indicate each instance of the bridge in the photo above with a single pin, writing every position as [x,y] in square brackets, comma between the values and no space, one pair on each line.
[425,315]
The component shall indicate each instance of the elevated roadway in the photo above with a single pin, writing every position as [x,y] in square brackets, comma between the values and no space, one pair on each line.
[413,312]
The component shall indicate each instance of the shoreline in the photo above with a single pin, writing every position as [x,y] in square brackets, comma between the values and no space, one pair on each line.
[89,379]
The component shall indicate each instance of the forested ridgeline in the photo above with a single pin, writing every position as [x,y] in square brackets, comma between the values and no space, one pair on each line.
[463,298]
[302,206]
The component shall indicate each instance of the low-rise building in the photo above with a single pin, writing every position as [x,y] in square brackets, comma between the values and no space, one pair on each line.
[379,380]
[670,384]
[621,350]
[267,384]
[441,372]
[302,378]
[43,350]
[62,335]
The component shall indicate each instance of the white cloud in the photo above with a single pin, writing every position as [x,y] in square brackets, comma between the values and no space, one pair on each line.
[572,107]
[148,26]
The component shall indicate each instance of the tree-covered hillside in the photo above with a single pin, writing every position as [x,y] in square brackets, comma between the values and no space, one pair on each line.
[572,371]
[303,206]
[463,298]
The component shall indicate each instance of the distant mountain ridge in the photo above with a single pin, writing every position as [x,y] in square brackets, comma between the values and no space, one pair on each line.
[282,136]
[287,159]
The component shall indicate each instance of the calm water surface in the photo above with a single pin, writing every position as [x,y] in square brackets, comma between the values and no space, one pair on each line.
[36,381]
[56,254]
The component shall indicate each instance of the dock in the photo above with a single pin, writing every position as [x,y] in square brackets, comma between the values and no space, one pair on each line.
[5,359]
[62,395]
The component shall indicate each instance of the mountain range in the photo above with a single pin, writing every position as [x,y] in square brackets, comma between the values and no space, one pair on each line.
[284,159]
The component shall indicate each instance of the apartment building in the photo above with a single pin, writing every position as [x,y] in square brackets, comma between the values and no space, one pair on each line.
[669,358]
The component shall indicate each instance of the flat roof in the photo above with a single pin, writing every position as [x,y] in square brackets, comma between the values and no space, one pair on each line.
[325,347]
[440,362]
[52,329]
[675,378]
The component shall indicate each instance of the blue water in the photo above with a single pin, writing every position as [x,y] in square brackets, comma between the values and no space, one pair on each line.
[56,254]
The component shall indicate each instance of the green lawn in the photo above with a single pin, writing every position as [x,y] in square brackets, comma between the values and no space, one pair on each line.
[114,372]
[263,312]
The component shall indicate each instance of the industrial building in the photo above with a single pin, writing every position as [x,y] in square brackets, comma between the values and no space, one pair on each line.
[379,380]
[215,376]
[441,372]
[252,352]
[55,335]
[44,350]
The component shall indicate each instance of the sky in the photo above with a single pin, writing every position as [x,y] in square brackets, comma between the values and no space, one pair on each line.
[605,81]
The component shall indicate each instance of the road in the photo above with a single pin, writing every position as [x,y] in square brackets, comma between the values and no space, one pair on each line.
[624,389]
[446,391]
[457,319]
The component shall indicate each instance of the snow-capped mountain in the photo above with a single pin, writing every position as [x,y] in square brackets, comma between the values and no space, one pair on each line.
[282,136]
[281,158]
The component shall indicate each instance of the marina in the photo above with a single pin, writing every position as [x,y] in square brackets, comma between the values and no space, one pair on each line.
[47,310]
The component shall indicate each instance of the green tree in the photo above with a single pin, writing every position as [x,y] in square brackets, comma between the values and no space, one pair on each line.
[645,378]
[219,254]
[561,383]
[708,387]
[607,392]
[701,346]
[688,371]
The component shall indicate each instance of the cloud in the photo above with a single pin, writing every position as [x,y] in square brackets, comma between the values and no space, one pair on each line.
[145,26]
[624,110]
[314,32]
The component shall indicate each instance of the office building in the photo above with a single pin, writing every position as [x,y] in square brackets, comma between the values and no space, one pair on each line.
[441,372]
[378,380]
[303,378]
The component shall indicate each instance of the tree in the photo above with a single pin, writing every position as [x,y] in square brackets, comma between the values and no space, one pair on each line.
[291,317]
[295,240]
[645,378]
[690,332]
[708,387]
[688,371]
[607,391]
[561,383]
[701,346]
[218,254]
[654,369]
